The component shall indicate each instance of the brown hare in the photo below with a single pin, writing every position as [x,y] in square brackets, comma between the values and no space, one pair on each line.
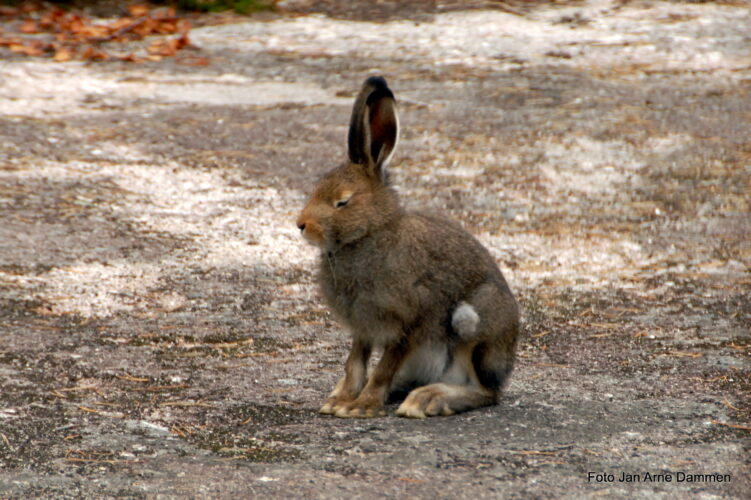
[416,285]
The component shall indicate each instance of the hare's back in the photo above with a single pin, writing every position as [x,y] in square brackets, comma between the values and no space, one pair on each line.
[445,249]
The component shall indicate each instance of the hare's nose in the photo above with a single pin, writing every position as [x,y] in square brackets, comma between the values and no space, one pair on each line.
[301,226]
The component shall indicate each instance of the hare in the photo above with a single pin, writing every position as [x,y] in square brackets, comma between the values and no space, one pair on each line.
[414,284]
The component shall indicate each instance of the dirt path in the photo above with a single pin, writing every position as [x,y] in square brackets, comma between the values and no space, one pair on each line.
[160,333]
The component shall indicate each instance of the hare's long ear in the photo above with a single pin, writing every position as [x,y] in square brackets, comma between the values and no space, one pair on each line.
[374,127]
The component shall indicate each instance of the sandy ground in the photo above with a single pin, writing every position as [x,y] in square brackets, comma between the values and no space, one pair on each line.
[160,331]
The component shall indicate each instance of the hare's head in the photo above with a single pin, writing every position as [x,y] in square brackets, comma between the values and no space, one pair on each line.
[355,199]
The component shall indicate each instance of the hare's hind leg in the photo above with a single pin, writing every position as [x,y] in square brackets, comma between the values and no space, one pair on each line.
[444,399]
[459,390]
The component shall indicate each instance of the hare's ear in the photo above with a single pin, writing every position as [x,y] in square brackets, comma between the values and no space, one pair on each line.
[374,127]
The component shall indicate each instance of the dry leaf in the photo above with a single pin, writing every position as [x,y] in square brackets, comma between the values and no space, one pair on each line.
[182,42]
[71,30]
[163,13]
[8,11]
[145,27]
[30,7]
[120,23]
[34,50]
[130,57]
[10,41]
[166,27]
[92,54]
[91,31]
[183,26]
[168,48]
[29,26]
[158,47]
[138,10]
[196,61]
[63,54]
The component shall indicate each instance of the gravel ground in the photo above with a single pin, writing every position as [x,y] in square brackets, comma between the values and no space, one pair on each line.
[160,331]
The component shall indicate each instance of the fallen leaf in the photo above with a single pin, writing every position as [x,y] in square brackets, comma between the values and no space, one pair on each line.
[164,13]
[182,42]
[31,7]
[138,10]
[71,34]
[28,50]
[63,54]
[92,31]
[92,54]
[183,26]
[162,48]
[145,26]
[166,27]
[120,23]
[130,57]
[196,61]
[10,41]
[29,26]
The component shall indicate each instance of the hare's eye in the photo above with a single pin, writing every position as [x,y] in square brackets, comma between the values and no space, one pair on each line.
[344,198]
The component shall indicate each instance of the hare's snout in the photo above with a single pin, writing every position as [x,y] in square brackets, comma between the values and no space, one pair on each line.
[311,230]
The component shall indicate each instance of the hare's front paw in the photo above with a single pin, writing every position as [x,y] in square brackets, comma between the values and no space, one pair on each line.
[360,408]
[332,405]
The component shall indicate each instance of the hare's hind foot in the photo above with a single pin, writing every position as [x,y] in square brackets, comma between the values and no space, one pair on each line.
[444,399]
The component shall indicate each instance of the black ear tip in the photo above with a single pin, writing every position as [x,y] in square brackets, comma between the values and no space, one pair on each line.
[377,82]
[376,88]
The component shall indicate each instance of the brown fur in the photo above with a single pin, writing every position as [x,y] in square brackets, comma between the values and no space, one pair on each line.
[395,279]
